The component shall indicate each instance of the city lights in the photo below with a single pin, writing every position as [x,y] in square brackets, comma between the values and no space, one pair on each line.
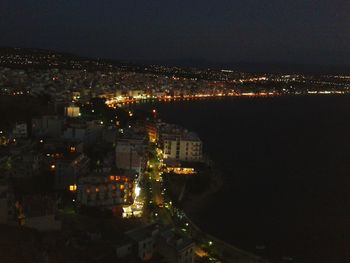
[137,191]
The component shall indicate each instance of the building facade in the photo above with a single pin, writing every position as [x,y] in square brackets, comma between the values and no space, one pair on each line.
[68,168]
[72,111]
[144,242]
[105,191]
[179,144]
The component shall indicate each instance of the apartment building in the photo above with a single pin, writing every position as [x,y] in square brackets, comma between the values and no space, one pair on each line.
[130,152]
[106,190]
[179,144]
[67,168]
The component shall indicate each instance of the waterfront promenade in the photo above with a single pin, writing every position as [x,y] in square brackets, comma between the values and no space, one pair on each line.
[162,209]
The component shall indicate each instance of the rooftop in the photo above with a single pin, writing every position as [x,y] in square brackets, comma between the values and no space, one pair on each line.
[142,233]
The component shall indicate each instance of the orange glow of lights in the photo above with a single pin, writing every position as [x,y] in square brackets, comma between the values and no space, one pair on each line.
[122,187]
[111,177]
[97,190]
[117,178]
[73,187]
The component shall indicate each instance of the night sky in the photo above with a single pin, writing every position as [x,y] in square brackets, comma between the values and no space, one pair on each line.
[297,31]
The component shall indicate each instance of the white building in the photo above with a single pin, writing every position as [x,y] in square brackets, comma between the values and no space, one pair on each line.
[179,144]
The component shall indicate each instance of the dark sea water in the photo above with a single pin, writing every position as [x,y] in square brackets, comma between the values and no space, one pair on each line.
[286,168]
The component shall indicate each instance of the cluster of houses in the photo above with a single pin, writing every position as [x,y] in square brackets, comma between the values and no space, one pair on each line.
[55,147]
[46,160]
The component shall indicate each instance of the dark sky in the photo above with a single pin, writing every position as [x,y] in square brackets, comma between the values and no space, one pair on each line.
[298,31]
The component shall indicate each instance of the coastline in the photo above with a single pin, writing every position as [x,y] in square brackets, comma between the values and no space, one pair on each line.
[193,205]
[285,220]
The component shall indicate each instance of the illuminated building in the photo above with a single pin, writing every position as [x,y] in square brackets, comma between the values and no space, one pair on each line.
[106,191]
[72,111]
[178,144]
[136,93]
[181,170]
[151,128]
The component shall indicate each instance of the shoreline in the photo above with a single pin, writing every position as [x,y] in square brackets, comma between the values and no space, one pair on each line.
[193,205]
[285,204]
[196,203]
